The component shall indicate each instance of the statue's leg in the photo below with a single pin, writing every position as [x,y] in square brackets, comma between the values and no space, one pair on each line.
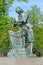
[23,40]
[31,47]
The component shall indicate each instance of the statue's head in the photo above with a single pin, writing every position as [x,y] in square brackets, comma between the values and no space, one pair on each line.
[19,10]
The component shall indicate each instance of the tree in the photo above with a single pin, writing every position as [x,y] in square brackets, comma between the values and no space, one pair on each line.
[4,41]
[4,18]
[35,15]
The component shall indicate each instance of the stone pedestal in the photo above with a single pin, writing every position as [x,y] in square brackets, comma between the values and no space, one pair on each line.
[16,44]
[18,50]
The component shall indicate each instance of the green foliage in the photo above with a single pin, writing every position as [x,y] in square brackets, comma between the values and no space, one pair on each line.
[15,28]
[34,14]
[4,25]
[23,0]
[10,1]
[4,5]
[38,39]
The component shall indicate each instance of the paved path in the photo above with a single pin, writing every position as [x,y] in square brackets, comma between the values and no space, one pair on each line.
[21,61]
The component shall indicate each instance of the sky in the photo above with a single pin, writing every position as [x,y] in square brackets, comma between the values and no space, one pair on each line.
[24,6]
